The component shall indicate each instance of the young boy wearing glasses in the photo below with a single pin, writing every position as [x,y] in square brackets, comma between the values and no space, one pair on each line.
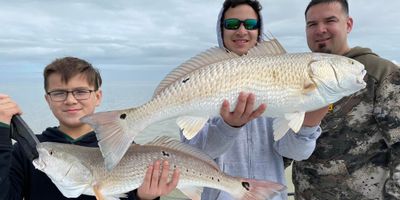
[241,142]
[73,90]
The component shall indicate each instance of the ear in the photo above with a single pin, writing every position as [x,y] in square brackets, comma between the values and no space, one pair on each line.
[47,99]
[349,24]
[99,96]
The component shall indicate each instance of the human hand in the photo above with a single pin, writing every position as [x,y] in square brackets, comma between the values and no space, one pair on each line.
[156,182]
[314,118]
[8,108]
[243,112]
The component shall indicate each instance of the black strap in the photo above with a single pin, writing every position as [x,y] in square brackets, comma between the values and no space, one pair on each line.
[21,132]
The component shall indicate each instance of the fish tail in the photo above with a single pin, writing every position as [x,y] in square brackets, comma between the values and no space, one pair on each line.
[113,135]
[259,189]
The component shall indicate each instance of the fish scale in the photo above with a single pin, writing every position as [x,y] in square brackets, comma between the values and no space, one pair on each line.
[289,84]
[66,164]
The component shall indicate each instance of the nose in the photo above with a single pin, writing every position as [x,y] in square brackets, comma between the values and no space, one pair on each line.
[241,30]
[321,28]
[70,98]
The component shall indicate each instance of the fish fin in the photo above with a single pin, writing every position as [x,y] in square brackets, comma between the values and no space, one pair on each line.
[97,192]
[193,193]
[208,57]
[309,87]
[295,120]
[258,189]
[71,190]
[270,47]
[190,125]
[292,121]
[281,127]
[171,143]
[113,138]
[99,195]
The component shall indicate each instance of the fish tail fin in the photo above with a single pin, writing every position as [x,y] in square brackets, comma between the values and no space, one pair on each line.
[113,134]
[259,189]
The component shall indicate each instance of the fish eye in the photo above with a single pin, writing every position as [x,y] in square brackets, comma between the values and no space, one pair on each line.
[51,152]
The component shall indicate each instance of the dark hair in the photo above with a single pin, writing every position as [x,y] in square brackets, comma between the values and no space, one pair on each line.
[343,3]
[233,3]
[69,67]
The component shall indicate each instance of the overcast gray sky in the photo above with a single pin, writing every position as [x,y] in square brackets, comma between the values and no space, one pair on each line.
[135,43]
[122,34]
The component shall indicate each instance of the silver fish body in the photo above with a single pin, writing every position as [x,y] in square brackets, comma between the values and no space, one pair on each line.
[289,84]
[77,170]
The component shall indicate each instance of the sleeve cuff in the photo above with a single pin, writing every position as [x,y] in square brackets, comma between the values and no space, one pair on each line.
[309,132]
[228,130]
[5,136]
[4,125]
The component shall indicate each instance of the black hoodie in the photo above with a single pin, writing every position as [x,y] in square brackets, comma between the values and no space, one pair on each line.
[18,177]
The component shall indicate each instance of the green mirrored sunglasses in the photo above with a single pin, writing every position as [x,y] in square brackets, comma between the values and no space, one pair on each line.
[233,24]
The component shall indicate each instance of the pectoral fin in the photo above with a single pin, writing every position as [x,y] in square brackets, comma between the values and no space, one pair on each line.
[190,125]
[292,121]
[295,120]
[309,87]
[71,190]
[193,193]
[281,127]
[99,195]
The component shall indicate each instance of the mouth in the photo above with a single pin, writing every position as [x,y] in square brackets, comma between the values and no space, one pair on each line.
[321,40]
[73,110]
[240,41]
[360,79]
[38,164]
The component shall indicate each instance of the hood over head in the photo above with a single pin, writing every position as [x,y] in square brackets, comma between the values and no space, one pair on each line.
[219,30]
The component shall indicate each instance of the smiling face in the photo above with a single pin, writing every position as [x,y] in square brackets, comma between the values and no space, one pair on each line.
[69,112]
[241,40]
[327,27]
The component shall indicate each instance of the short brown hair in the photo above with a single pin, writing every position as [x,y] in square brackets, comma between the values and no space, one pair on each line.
[343,3]
[69,67]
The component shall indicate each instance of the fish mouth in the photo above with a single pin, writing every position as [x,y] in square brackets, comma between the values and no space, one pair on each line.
[39,164]
[360,79]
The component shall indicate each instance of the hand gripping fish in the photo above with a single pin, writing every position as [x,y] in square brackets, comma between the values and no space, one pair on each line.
[290,84]
[77,170]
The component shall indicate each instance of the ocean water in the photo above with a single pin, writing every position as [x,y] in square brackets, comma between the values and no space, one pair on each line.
[121,89]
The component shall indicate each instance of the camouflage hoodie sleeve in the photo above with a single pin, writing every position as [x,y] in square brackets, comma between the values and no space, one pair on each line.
[387,113]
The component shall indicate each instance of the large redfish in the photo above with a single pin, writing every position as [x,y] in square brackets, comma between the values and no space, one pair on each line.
[77,170]
[290,84]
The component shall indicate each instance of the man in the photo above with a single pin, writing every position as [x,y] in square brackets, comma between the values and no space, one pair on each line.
[241,141]
[358,153]
[73,90]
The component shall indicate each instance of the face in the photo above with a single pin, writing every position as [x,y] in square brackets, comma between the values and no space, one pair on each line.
[69,112]
[241,40]
[327,27]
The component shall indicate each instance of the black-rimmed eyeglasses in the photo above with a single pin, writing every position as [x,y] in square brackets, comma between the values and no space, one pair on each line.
[61,95]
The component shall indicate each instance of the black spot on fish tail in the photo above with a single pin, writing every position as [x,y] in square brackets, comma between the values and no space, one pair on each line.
[122,116]
[246,185]
[165,153]
[184,81]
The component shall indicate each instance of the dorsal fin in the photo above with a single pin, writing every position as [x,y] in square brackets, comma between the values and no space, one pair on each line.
[174,144]
[270,47]
[214,55]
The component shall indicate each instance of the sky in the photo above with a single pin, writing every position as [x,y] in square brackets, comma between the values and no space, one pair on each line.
[135,43]
[129,34]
